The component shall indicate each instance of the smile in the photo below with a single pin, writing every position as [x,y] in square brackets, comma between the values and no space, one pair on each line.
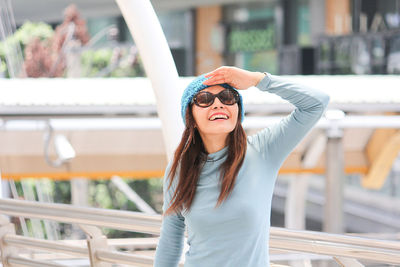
[218,116]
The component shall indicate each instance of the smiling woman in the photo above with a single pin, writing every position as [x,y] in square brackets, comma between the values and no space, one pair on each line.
[221,181]
[215,121]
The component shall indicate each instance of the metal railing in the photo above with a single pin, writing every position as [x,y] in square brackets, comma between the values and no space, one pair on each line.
[337,246]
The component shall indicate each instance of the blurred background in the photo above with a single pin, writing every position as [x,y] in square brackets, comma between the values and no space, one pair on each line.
[290,37]
[87,132]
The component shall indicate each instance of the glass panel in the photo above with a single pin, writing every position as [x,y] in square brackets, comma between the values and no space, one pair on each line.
[393,61]
[341,48]
[251,36]
[258,61]
[360,56]
[378,55]
[96,25]
[325,51]
[174,27]
[304,36]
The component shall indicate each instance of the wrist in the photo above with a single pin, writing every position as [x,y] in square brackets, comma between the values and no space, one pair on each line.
[259,76]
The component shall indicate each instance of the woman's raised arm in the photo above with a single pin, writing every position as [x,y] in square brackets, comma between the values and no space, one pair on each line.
[277,141]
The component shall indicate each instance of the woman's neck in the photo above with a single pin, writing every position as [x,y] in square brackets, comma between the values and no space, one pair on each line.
[214,143]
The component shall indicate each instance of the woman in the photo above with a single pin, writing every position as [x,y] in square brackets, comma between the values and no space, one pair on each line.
[220,182]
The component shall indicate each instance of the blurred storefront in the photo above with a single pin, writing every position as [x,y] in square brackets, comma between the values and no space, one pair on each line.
[279,36]
[363,39]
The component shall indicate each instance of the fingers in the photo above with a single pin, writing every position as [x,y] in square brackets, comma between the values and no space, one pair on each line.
[214,72]
[208,75]
[217,76]
[220,70]
[215,80]
[224,70]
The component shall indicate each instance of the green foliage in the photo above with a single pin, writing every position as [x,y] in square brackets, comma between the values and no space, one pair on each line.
[95,60]
[251,40]
[30,30]
[62,192]
[102,194]
[95,63]
[3,66]
[25,34]
[22,36]
[18,186]
[102,62]
[155,184]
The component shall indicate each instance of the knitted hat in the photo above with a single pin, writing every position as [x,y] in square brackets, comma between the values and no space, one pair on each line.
[197,85]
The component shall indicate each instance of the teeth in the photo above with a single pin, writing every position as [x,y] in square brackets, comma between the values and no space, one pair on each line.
[218,116]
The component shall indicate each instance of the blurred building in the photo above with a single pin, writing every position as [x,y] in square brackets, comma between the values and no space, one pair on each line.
[279,36]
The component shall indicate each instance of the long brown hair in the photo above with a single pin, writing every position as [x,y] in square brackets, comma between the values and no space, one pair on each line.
[190,157]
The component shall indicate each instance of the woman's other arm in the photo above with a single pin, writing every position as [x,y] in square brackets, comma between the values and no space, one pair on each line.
[170,244]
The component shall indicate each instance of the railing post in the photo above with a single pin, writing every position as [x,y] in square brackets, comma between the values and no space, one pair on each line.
[333,208]
[6,251]
[95,240]
[295,206]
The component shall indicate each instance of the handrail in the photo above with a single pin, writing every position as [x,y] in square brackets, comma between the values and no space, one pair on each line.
[116,219]
[336,249]
[15,260]
[57,246]
[136,243]
[48,245]
[124,258]
[286,239]
[328,237]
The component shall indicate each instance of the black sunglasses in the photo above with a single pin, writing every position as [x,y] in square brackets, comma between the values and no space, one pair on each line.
[205,99]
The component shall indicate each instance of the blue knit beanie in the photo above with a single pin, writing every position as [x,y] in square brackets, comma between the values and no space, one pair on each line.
[197,85]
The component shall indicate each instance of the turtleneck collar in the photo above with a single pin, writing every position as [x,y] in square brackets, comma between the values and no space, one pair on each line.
[216,155]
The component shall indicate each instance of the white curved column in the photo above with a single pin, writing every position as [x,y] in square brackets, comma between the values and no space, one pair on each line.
[159,66]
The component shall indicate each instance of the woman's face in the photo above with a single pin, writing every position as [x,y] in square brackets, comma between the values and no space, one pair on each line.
[217,118]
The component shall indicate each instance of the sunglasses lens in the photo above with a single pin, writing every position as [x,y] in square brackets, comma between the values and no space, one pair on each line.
[227,97]
[204,99]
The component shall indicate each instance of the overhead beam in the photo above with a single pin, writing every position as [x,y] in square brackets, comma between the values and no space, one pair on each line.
[382,163]
[376,142]
[159,65]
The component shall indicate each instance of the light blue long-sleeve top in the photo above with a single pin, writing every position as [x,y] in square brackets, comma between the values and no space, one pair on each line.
[237,232]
